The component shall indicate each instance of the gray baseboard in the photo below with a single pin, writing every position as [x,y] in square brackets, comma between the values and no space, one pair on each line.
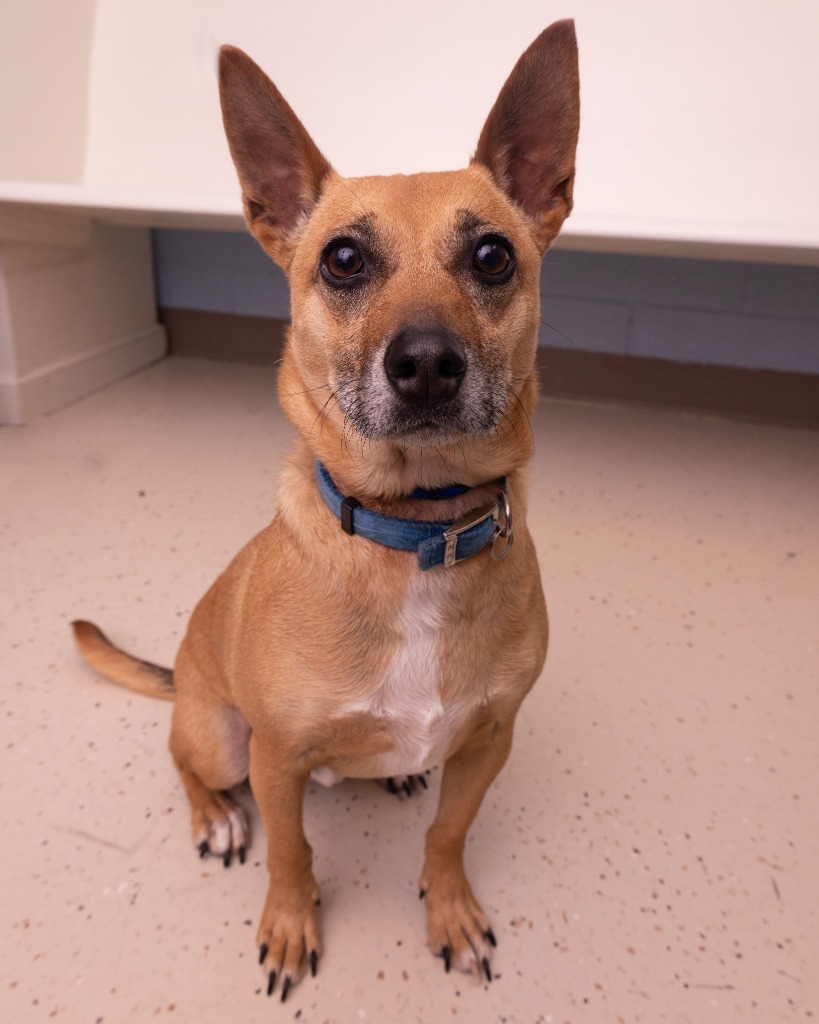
[227,337]
[774,395]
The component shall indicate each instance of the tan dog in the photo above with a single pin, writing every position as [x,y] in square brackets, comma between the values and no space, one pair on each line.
[324,648]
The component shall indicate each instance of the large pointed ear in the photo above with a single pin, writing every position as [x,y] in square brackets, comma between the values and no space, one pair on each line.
[530,136]
[280,167]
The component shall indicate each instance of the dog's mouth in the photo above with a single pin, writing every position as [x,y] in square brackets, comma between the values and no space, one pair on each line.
[376,411]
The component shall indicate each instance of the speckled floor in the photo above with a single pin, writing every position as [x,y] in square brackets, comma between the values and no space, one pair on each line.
[651,851]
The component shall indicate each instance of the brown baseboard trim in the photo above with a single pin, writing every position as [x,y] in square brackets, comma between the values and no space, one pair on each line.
[227,337]
[791,398]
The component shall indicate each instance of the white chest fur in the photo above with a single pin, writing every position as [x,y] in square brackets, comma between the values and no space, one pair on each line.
[408,697]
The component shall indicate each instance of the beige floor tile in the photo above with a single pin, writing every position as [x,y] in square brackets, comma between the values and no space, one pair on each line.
[651,851]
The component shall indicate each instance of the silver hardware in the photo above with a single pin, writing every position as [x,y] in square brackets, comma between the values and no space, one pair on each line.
[503,529]
[469,519]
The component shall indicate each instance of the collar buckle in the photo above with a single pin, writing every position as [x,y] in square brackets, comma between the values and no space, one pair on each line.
[504,536]
[474,517]
[502,539]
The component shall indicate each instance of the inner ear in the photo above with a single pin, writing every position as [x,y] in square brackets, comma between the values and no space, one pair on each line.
[529,140]
[280,168]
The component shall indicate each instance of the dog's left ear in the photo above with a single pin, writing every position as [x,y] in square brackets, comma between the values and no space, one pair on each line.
[530,136]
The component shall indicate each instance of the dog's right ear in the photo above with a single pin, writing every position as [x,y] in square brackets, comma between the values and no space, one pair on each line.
[280,168]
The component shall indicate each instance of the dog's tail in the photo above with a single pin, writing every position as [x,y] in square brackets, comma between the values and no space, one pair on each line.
[136,674]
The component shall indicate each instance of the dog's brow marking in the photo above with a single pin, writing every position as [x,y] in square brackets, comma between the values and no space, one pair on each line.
[467,222]
[364,224]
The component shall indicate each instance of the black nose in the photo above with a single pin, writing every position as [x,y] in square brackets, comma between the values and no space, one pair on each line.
[425,367]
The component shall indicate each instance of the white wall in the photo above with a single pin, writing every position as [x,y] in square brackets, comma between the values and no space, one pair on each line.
[698,118]
[701,113]
[45,54]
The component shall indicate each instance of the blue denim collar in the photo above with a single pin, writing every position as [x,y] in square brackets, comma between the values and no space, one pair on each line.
[435,543]
[440,493]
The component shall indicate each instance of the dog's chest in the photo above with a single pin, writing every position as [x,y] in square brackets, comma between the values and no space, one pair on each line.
[407,700]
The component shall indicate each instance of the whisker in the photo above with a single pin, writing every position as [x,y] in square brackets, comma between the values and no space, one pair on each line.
[472,200]
[512,424]
[519,404]
[308,391]
[441,457]
[345,444]
[346,184]
[557,330]
[400,457]
[321,413]
[462,450]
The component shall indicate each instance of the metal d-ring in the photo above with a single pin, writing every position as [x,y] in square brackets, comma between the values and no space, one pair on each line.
[503,530]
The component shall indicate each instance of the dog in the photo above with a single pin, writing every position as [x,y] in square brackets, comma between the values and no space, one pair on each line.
[384,622]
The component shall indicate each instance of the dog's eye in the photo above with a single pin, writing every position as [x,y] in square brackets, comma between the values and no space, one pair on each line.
[342,260]
[492,257]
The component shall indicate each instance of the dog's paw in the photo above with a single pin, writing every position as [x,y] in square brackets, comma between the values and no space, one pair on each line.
[289,937]
[220,828]
[458,930]
[405,785]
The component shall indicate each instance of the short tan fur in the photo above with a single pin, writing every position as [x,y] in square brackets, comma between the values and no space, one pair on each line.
[410,363]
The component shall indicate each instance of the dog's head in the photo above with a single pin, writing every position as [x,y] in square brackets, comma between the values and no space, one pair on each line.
[414,298]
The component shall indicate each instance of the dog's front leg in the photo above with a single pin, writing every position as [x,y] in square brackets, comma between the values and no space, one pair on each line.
[289,937]
[458,929]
